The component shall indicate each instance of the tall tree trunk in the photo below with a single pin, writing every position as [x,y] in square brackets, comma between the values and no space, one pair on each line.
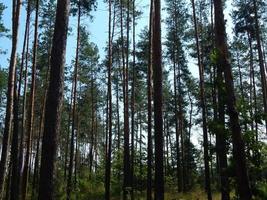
[69,131]
[221,138]
[181,130]
[10,93]
[189,178]
[31,108]
[126,156]
[178,130]
[261,61]
[118,125]
[7,193]
[157,82]
[241,88]
[14,186]
[167,147]
[133,105]
[24,109]
[54,101]
[109,124]
[74,117]
[203,107]
[25,56]
[118,114]
[92,128]
[15,176]
[179,174]
[238,143]
[253,85]
[149,107]
[76,157]
[140,149]
[40,132]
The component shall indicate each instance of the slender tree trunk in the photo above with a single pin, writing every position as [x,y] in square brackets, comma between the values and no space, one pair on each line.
[15,177]
[118,126]
[24,109]
[109,124]
[253,84]
[221,138]
[238,143]
[92,129]
[31,108]
[10,93]
[179,174]
[118,114]
[133,106]
[241,87]
[167,147]
[189,178]
[40,133]
[157,80]
[24,57]
[54,102]
[76,157]
[140,149]
[7,193]
[181,130]
[69,133]
[96,142]
[127,190]
[14,186]
[261,61]
[149,108]
[203,107]
[74,117]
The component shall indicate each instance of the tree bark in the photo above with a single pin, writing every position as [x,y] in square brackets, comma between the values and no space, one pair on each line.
[109,124]
[54,101]
[40,132]
[261,61]
[15,176]
[149,107]
[14,186]
[69,132]
[203,107]
[30,120]
[157,96]
[133,106]
[126,156]
[221,139]
[74,117]
[238,143]
[179,174]
[24,107]
[10,93]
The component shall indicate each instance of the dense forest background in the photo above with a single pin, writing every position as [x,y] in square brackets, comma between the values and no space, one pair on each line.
[170,104]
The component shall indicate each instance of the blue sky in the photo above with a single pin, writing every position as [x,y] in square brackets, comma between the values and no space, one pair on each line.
[97,27]
[98,33]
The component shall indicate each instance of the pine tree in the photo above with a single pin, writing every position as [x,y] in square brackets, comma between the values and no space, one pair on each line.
[157,97]
[10,93]
[238,143]
[54,102]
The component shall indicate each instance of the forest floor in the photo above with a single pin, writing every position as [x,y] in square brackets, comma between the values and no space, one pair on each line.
[194,195]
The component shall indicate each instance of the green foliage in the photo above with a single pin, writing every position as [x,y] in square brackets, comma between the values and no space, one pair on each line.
[86,7]
[3,79]
[214,56]
[3,29]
